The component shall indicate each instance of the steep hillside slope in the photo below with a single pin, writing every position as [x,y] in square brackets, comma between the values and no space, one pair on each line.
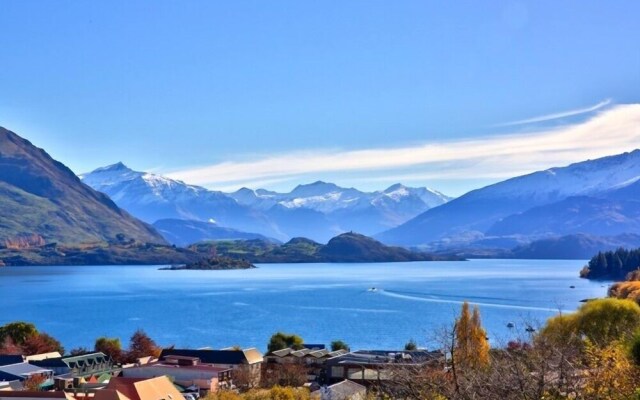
[43,201]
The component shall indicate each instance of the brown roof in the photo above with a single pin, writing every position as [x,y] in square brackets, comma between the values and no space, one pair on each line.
[253,355]
[159,388]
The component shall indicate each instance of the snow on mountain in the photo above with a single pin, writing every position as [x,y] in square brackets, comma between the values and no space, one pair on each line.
[153,197]
[322,209]
[328,198]
[124,184]
[583,178]
[474,214]
[432,198]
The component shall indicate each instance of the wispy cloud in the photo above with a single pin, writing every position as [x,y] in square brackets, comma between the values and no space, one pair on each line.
[614,130]
[563,114]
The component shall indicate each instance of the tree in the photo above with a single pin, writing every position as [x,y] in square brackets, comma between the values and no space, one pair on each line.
[472,347]
[411,345]
[610,374]
[141,345]
[78,351]
[284,375]
[223,395]
[111,347]
[18,331]
[281,341]
[41,343]
[634,348]
[339,345]
[8,346]
[34,382]
[479,341]
[602,321]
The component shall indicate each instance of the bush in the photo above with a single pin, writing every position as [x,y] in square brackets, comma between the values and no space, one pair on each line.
[281,341]
[339,345]
[601,321]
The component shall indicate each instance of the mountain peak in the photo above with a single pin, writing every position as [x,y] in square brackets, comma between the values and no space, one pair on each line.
[119,166]
[244,190]
[315,189]
[395,187]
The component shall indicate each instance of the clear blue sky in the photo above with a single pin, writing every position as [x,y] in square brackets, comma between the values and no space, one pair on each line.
[171,85]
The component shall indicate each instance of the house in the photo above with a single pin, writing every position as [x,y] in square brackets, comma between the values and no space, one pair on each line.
[10,382]
[246,362]
[313,346]
[28,395]
[184,371]
[6,359]
[367,366]
[86,366]
[345,390]
[303,356]
[23,371]
[120,388]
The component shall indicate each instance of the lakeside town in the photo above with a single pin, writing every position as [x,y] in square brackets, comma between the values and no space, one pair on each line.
[593,353]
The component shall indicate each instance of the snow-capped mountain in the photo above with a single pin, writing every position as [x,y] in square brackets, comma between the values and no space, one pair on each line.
[328,198]
[319,210]
[477,212]
[152,197]
[342,209]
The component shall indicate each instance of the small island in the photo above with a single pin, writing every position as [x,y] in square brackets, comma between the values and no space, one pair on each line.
[213,264]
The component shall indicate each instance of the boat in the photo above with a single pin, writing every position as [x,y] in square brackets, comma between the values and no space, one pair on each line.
[510,325]
[372,289]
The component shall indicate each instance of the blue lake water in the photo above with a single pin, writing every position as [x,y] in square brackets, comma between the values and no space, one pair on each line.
[320,302]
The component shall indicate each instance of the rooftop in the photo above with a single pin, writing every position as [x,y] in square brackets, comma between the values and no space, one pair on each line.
[43,356]
[11,359]
[387,357]
[200,367]
[139,389]
[23,369]
[207,356]
[342,390]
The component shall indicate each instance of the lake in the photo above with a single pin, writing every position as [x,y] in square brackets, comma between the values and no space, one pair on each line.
[320,302]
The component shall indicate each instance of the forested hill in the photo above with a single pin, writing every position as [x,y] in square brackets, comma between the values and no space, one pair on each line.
[612,264]
[347,247]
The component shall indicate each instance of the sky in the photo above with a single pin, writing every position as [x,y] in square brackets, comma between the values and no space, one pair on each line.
[450,95]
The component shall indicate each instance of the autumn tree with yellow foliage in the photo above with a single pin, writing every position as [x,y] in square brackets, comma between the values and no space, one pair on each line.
[472,347]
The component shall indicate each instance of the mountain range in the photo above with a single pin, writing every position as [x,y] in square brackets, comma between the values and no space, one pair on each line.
[560,212]
[595,197]
[319,210]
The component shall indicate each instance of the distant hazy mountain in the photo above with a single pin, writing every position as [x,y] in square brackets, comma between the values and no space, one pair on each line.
[319,210]
[182,232]
[590,196]
[581,214]
[574,247]
[42,201]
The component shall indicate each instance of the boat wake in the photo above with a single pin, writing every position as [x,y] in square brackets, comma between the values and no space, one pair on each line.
[433,299]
